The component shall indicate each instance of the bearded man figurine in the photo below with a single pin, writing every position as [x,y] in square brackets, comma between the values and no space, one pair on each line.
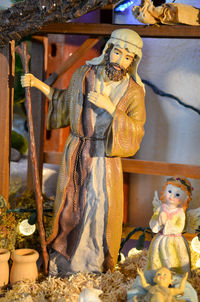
[104,106]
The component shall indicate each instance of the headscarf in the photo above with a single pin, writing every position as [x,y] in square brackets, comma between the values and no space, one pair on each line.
[130,40]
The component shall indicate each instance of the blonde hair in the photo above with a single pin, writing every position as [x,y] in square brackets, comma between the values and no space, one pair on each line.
[181,182]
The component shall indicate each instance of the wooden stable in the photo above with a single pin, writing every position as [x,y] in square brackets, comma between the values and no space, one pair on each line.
[95,32]
[7,66]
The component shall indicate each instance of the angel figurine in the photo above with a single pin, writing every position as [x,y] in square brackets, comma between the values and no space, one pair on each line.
[169,248]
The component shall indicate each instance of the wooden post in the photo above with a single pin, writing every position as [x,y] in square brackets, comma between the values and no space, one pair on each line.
[38,107]
[126,196]
[7,67]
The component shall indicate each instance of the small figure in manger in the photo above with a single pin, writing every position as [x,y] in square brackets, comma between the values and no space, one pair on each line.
[169,247]
[161,291]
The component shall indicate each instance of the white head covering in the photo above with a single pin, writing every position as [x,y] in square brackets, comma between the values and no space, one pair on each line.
[128,39]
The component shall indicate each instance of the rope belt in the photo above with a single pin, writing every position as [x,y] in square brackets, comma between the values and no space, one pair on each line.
[77,163]
[83,138]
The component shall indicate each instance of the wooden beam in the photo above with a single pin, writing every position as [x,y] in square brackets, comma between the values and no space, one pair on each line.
[7,66]
[87,45]
[146,31]
[160,168]
[26,17]
[142,166]
[38,107]
[52,157]
[83,49]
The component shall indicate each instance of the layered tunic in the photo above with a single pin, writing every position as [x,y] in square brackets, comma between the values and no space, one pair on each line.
[88,209]
[169,248]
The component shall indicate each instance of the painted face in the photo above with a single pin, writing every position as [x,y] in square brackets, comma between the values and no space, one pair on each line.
[121,57]
[117,63]
[163,277]
[175,195]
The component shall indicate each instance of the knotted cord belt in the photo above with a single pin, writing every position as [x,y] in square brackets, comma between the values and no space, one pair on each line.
[77,163]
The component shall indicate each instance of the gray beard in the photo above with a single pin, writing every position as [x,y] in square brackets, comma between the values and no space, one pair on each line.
[114,74]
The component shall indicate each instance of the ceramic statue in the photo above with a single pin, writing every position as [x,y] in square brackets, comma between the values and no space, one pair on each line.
[167,13]
[171,217]
[90,295]
[161,291]
[104,106]
[158,292]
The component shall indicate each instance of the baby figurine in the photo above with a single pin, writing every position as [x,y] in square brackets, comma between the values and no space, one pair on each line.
[160,292]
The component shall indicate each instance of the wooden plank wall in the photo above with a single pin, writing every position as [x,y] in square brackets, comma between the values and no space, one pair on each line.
[7,66]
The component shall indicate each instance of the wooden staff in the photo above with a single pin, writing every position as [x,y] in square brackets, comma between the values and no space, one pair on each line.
[25,57]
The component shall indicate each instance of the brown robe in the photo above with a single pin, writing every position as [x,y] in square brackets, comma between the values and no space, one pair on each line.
[89,194]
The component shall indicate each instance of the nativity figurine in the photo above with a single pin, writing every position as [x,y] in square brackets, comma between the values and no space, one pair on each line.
[161,291]
[170,219]
[104,107]
[167,13]
[161,285]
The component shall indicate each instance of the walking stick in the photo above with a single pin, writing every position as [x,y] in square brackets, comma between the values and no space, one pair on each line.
[25,57]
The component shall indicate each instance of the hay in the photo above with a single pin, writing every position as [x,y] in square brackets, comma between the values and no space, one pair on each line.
[195,281]
[114,285]
[52,289]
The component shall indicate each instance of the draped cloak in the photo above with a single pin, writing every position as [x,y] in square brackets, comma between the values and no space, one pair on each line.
[88,209]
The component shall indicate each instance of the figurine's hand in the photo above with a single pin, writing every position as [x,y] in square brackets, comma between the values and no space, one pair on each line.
[140,272]
[28,80]
[185,276]
[182,284]
[162,218]
[101,101]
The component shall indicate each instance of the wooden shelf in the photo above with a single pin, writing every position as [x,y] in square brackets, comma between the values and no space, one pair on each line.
[146,31]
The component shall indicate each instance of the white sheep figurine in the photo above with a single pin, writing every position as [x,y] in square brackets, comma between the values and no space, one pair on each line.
[90,295]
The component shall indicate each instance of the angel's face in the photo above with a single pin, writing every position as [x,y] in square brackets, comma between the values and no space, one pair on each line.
[175,196]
